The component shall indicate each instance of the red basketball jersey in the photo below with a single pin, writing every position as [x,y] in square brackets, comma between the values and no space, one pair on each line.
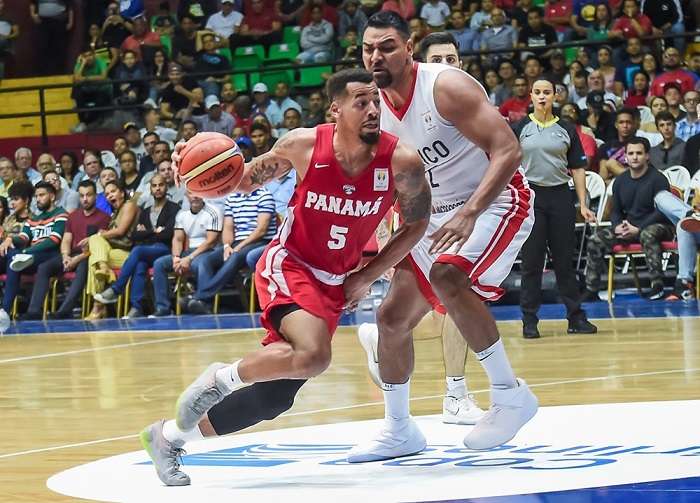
[331,216]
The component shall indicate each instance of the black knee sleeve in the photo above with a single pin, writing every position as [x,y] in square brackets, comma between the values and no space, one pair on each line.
[250,405]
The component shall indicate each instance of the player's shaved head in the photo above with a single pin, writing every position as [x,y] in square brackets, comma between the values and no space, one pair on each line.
[337,85]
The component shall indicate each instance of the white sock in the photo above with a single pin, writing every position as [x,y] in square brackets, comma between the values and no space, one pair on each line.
[456,386]
[228,376]
[497,366]
[396,410]
[174,434]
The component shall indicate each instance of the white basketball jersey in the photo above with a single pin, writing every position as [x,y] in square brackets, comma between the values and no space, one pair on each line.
[454,166]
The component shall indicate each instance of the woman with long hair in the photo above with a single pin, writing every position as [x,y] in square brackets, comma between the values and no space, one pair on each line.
[551,150]
[600,27]
[651,66]
[492,83]
[157,67]
[637,96]
[130,177]
[606,67]
[110,248]
[69,166]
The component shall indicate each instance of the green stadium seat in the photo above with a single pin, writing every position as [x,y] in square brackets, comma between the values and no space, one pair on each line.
[291,35]
[167,44]
[570,54]
[246,62]
[240,82]
[249,50]
[271,79]
[281,53]
[313,77]
[226,53]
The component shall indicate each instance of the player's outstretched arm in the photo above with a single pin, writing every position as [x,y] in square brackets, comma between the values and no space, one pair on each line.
[461,101]
[291,151]
[413,195]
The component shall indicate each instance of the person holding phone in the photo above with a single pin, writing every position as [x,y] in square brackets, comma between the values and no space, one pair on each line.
[82,223]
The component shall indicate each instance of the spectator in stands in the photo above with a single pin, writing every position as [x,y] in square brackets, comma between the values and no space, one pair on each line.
[651,66]
[634,219]
[435,14]
[279,103]
[404,8]
[185,42]
[557,67]
[481,19]
[596,82]
[351,15]
[9,31]
[440,47]
[178,94]
[20,195]
[537,35]
[571,112]
[197,231]
[243,107]
[583,15]
[632,23]
[152,238]
[657,104]
[316,39]
[260,26]
[671,151]
[600,27]
[216,120]
[557,14]
[418,31]
[109,249]
[8,173]
[157,67]
[161,152]
[532,70]
[163,21]
[630,62]
[114,30]
[226,22]
[188,129]
[174,193]
[45,162]
[611,157]
[66,198]
[151,119]
[314,113]
[132,8]
[518,13]
[90,88]
[197,10]
[133,71]
[673,94]
[673,73]
[228,96]
[497,37]
[638,94]
[467,39]
[68,166]
[130,177]
[667,18]
[515,108]
[134,140]
[328,12]
[142,40]
[33,248]
[23,162]
[54,18]
[107,176]
[4,213]
[146,163]
[690,124]
[292,120]
[92,166]
[261,138]
[249,223]
[507,74]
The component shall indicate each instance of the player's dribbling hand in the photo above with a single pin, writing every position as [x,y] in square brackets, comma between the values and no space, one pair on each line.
[175,157]
[455,231]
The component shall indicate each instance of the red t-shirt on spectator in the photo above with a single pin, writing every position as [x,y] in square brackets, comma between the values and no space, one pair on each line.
[587,142]
[134,44]
[81,226]
[560,9]
[683,78]
[330,14]
[636,100]
[624,24]
[262,21]
[514,108]
[407,10]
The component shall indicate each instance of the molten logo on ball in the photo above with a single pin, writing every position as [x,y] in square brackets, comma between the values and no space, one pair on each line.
[211,165]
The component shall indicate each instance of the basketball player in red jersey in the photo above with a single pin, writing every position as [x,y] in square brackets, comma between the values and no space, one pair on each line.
[350,174]
[482,213]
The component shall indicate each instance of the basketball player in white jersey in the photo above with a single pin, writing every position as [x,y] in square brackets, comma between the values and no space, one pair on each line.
[458,405]
[482,214]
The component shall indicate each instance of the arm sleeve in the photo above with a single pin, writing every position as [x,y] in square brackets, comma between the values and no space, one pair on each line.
[656,217]
[166,235]
[22,238]
[616,214]
[144,219]
[266,204]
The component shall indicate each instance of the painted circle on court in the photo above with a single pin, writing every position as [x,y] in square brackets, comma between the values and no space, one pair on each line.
[562,448]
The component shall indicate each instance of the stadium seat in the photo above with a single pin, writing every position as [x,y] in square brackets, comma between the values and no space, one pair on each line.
[271,79]
[249,50]
[241,83]
[246,62]
[291,35]
[282,53]
[629,251]
[226,53]
[313,77]
[167,44]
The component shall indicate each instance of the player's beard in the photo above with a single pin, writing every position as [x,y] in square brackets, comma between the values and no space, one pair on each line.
[370,138]
[383,79]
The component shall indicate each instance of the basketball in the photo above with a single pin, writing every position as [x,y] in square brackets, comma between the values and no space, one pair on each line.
[211,165]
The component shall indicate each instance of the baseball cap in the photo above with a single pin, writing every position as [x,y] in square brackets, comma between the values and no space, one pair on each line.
[129,125]
[174,67]
[595,99]
[260,87]
[211,101]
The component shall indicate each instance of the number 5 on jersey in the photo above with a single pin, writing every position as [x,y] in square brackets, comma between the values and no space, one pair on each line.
[337,240]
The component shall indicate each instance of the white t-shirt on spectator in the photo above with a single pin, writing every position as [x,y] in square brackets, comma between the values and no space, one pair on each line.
[224,25]
[196,225]
[435,15]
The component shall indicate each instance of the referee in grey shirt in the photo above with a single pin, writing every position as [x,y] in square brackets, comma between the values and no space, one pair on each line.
[551,148]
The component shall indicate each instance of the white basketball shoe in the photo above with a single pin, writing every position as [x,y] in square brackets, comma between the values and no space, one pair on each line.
[393,441]
[4,321]
[369,339]
[510,410]
[461,410]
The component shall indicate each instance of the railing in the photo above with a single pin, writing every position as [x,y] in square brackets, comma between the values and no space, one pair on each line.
[43,113]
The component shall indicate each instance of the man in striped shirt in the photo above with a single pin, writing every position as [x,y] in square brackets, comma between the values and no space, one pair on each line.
[37,243]
[249,223]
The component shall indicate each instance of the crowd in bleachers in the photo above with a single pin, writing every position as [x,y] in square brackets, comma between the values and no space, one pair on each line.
[114,221]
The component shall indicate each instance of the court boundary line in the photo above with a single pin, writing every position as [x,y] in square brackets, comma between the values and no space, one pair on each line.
[364,404]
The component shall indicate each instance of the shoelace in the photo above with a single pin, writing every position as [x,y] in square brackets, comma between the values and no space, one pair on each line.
[177,453]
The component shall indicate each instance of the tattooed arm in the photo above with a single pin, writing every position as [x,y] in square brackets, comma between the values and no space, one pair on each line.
[413,194]
[292,151]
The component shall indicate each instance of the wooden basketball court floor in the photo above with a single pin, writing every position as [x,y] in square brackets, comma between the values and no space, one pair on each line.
[71,394]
